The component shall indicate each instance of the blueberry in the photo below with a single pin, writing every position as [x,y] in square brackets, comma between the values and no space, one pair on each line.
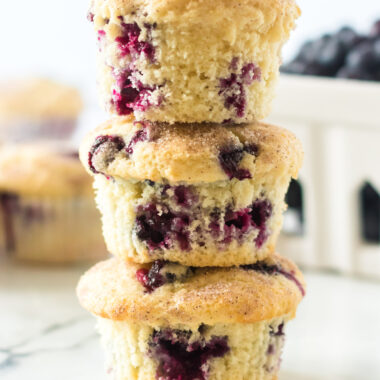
[294,67]
[181,358]
[237,223]
[332,56]
[375,30]
[132,96]
[376,49]
[261,211]
[306,53]
[130,43]
[262,267]
[140,136]
[129,94]
[345,54]
[270,270]
[353,73]
[311,50]
[184,196]
[348,37]
[376,75]
[363,57]
[229,159]
[233,88]
[160,228]
[152,279]
[105,147]
[315,68]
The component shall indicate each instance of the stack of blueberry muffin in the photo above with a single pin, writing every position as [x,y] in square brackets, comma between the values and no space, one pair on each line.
[191,189]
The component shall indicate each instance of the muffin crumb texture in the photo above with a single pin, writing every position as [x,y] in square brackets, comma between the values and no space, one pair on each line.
[222,224]
[232,351]
[184,62]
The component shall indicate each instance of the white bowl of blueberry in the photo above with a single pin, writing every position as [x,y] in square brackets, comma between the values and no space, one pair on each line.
[344,54]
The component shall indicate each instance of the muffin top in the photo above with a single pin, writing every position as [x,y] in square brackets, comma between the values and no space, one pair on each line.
[190,153]
[43,169]
[38,99]
[196,11]
[169,293]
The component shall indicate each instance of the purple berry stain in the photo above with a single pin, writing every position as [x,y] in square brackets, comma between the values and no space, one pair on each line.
[159,274]
[276,342]
[260,212]
[161,228]
[106,144]
[178,359]
[230,158]
[101,34]
[131,94]
[233,88]
[140,136]
[184,196]
[238,223]
[90,16]
[268,269]
[129,42]
[151,278]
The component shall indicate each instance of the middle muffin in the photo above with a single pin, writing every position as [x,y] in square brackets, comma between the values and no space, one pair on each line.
[199,195]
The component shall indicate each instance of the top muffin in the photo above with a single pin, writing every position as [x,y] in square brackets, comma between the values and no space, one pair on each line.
[190,61]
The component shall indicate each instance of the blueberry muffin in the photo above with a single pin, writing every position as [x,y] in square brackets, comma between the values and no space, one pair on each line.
[203,195]
[167,321]
[190,61]
[37,108]
[47,211]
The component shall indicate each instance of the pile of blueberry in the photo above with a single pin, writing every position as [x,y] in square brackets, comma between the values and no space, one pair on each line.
[344,54]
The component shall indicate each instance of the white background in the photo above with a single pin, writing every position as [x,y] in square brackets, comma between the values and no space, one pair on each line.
[53,38]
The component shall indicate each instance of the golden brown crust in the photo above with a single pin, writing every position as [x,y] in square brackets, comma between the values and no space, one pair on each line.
[192,10]
[190,152]
[211,295]
[38,98]
[43,169]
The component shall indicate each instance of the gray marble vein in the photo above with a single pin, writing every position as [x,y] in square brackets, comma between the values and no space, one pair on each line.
[12,355]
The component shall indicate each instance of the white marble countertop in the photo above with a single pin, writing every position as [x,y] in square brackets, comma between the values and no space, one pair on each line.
[45,335]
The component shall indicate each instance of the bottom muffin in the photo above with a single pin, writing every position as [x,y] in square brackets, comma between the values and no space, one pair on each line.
[169,322]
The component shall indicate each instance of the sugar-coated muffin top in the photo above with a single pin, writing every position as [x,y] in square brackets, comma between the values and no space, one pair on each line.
[195,11]
[172,294]
[191,153]
[43,169]
[37,99]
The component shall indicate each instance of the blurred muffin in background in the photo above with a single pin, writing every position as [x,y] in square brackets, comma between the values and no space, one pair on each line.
[47,210]
[36,109]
